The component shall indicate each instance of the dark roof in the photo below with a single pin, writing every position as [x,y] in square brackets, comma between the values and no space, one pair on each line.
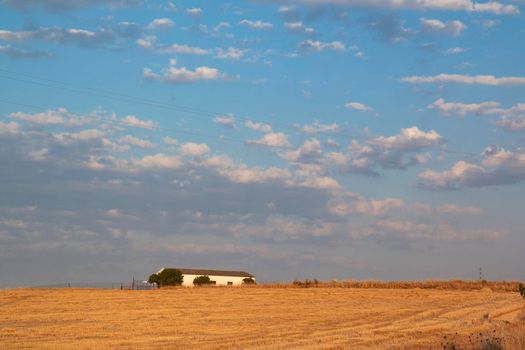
[201,272]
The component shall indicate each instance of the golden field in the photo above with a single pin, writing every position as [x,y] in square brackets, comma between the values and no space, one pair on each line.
[259,317]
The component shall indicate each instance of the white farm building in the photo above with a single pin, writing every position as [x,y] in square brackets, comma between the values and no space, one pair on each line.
[218,277]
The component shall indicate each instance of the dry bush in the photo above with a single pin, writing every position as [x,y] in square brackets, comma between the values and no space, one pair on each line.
[495,286]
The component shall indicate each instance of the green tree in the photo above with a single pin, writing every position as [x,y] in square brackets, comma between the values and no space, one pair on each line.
[202,280]
[168,277]
[248,280]
[154,279]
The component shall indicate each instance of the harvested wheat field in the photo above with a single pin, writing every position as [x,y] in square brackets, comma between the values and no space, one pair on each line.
[254,318]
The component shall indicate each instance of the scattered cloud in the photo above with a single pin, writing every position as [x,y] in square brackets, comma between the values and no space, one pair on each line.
[454,50]
[194,12]
[135,141]
[59,116]
[258,24]
[493,7]
[512,123]
[135,122]
[64,36]
[318,127]
[262,127]
[194,149]
[182,75]
[17,53]
[511,118]
[319,46]
[498,167]
[358,106]
[299,27]
[161,23]
[465,79]
[226,120]
[231,53]
[271,139]
[65,5]
[435,26]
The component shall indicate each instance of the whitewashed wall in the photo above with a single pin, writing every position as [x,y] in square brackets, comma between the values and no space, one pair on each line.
[219,280]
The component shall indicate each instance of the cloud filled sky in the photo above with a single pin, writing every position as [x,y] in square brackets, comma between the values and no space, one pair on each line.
[291,139]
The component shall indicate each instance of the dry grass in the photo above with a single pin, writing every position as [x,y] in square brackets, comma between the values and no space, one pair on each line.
[253,318]
[496,286]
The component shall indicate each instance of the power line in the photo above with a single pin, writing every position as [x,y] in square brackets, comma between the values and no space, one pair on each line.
[156,128]
[127,98]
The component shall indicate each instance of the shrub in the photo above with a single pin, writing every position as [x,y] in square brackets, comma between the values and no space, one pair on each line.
[306,284]
[202,281]
[521,289]
[248,280]
[168,277]
[475,342]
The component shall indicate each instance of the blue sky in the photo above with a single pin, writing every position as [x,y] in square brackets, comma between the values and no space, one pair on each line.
[292,139]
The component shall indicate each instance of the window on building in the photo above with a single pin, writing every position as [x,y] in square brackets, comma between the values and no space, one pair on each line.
[230,283]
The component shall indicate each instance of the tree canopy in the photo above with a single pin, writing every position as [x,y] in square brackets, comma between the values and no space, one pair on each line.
[167,277]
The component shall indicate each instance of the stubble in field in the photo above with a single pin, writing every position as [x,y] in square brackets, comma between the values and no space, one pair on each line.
[249,318]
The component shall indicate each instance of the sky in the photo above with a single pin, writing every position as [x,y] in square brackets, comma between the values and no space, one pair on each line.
[328,139]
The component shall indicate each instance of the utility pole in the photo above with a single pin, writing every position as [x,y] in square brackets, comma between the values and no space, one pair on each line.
[480,274]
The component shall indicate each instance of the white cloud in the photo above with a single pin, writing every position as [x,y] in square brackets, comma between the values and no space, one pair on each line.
[194,12]
[135,122]
[332,143]
[408,139]
[182,75]
[227,120]
[393,152]
[465,79]
[294,26]
[435,26]
[298,27]
[454,209]
[359,107]
[231,53]
[411,230]
[161,23]
[158,161]
[272,139]
[316,45]
[170,141]
[317,127]
[53,117]
[135,141]
[452,5]
[194,149]
[17,53]
[256,24]
[39,155]
[81,136]
[512,123]
[65,36]
[183,49]
[462,109]
[221,25]
[362,206]
[454,50]
[262,127]
[498,167]
[147,42]
[10,128]
[512,118]
[311,149]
